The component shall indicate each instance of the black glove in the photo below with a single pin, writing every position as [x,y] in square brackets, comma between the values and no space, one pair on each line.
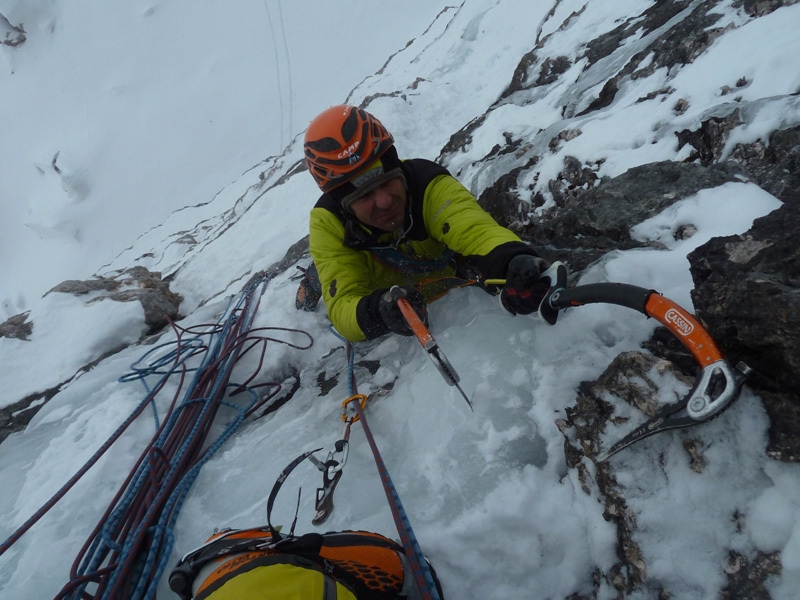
[390,312]
[524,288]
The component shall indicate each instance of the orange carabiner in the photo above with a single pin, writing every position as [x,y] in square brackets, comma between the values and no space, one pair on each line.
[362,401]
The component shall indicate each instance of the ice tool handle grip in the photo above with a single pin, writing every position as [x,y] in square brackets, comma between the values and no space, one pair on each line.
[415,323]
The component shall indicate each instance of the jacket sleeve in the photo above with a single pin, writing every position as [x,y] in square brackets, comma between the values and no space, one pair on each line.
[344,274]
[454,217]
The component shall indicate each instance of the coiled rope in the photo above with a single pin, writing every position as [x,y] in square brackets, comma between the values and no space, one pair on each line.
[126,554]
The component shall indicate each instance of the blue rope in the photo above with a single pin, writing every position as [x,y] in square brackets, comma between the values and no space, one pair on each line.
[144,517]
[76,477]
[174,502]
[423,576]
[350,353]
[419,564]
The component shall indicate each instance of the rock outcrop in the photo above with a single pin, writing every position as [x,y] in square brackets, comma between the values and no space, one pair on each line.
[11,35]
[747,287]
[747,294]
[17,327]
[160,304]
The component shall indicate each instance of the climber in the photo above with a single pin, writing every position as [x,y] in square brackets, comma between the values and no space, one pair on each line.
[385,228]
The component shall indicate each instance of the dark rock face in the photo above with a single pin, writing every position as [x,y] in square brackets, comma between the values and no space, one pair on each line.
[677,45]
[16,416]
[747,294]
[136,284]
[586,224]
[11,35]
[758,8]
[747,291]
[747,287]
[627,379]
[630,379]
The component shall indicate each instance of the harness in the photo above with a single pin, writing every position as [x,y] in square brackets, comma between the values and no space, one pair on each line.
[396,259]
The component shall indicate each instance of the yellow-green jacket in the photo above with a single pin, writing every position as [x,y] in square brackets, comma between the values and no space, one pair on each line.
[447,235]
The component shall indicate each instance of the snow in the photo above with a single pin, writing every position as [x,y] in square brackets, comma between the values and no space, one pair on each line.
[88,330]
[115,115]
[138,128]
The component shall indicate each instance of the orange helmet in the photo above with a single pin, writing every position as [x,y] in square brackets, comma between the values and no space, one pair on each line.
[341,143]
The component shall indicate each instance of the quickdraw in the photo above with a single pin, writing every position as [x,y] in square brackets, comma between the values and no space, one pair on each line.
[718,384]
[332,467]
[229,542]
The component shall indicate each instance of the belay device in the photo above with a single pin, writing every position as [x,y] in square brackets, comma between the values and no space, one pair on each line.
[717,385]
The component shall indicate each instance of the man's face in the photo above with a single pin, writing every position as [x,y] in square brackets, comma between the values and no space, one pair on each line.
[384,207]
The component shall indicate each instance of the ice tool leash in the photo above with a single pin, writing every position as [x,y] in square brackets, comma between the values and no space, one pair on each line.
[718,384]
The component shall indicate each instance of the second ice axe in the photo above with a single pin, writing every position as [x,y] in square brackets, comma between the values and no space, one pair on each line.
[431,347]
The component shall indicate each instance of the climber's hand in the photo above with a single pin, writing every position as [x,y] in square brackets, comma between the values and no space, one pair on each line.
[524,287]
[390,312]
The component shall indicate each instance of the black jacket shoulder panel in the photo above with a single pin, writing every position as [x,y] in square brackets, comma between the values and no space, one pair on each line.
[328,202]
[419,174]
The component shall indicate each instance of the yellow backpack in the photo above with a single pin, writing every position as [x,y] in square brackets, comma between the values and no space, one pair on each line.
[249,565]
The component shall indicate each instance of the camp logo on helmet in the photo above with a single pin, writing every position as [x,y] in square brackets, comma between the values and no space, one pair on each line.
[677,319]
[350,151]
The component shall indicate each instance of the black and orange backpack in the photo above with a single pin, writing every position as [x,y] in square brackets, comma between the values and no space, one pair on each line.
[248,565]
[264,564]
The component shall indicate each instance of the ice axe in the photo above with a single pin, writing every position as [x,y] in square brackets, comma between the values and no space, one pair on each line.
[430,346]
[718,383]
